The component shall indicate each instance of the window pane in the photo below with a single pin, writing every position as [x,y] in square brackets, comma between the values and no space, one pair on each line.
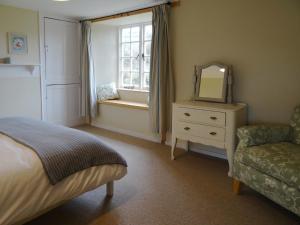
[148,33]
[147,64]
[135,79]
[125,64]
[125,50]
[126,35]
[146,80]
[135,34]
[135,69]
[135,49]
[126,78]
[147,48]
[135,65]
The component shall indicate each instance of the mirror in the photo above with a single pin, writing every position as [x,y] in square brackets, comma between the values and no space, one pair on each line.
[213,83]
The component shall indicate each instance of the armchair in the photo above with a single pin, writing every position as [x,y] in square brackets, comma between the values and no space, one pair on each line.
[267,159]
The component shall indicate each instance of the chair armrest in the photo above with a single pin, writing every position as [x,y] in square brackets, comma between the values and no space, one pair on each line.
[263,134]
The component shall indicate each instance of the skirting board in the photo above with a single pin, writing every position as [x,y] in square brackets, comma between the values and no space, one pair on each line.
[207,151]
[202,149]
[126,132]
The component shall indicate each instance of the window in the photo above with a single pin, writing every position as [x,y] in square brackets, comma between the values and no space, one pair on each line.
[134,56]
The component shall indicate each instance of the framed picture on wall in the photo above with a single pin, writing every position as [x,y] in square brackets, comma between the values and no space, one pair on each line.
[17,43]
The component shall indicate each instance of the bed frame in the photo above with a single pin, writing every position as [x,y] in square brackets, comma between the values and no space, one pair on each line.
[109,194]
[110,189]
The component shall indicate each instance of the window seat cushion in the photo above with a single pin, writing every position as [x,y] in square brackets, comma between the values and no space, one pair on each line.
[107,91]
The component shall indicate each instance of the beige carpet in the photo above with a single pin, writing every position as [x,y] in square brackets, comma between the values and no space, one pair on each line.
[193,190]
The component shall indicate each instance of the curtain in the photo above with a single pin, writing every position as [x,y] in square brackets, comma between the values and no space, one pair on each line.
[162,93]
[87,72]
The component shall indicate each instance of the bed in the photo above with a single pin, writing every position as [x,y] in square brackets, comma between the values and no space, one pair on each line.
[26,191]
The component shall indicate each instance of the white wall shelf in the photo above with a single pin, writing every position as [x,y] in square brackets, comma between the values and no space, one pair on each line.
[30,67]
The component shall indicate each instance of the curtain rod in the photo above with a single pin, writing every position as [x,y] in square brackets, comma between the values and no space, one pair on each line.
[129,13]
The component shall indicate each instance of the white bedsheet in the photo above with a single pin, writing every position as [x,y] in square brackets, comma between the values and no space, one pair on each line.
[25,190]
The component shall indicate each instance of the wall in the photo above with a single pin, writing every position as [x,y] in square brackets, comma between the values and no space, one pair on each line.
[134,122]
[261,39]
[19,89]
[105,52]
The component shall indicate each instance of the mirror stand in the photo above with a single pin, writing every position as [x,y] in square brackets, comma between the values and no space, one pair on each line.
[230,86]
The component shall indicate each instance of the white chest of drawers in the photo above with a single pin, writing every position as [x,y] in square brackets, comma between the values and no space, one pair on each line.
[212,124]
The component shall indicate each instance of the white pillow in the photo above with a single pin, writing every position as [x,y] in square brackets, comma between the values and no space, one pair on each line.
[107,91]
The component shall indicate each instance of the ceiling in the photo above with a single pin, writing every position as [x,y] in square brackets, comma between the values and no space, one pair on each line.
[82,9]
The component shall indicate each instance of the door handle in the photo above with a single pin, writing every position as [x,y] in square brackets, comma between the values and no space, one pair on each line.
[187,128]
[213,118]
[213,133]
[187,114]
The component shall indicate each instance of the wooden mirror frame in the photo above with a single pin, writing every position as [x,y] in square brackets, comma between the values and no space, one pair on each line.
[227,84]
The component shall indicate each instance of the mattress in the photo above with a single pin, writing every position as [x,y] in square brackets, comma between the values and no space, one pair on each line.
[25,188]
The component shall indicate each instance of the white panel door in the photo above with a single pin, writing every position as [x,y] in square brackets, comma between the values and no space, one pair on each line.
[62,78]
[62,52]
[62,104]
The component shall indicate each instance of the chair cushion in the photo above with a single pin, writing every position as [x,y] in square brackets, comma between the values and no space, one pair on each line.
[280,161]
[295,124]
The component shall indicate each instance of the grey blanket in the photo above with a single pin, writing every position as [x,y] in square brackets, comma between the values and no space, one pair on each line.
[63,151]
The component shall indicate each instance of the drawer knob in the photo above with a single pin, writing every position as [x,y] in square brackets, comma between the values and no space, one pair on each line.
[187,114]
[213,118]
[213,133]
[187,128]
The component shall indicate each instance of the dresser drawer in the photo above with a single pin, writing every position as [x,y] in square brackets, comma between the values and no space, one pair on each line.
[209,132]
[201,116]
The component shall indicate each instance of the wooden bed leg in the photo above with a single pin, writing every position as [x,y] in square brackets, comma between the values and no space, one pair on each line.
[110,189]
[236,186]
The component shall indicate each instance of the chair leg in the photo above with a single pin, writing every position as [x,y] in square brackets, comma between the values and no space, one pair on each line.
[236,186]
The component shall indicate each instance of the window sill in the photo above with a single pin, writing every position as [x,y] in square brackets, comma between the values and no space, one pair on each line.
[127,104]
[133,90]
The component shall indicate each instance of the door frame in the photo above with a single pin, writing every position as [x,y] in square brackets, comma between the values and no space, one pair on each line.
[43,88]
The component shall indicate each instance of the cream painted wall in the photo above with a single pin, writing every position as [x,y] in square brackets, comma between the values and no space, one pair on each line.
[19,89]
[261,39]
[134,122]
[134,96]
[105,53]
[20,21]
[20,97]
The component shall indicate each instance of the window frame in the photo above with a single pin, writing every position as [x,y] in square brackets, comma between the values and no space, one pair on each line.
[142,41]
